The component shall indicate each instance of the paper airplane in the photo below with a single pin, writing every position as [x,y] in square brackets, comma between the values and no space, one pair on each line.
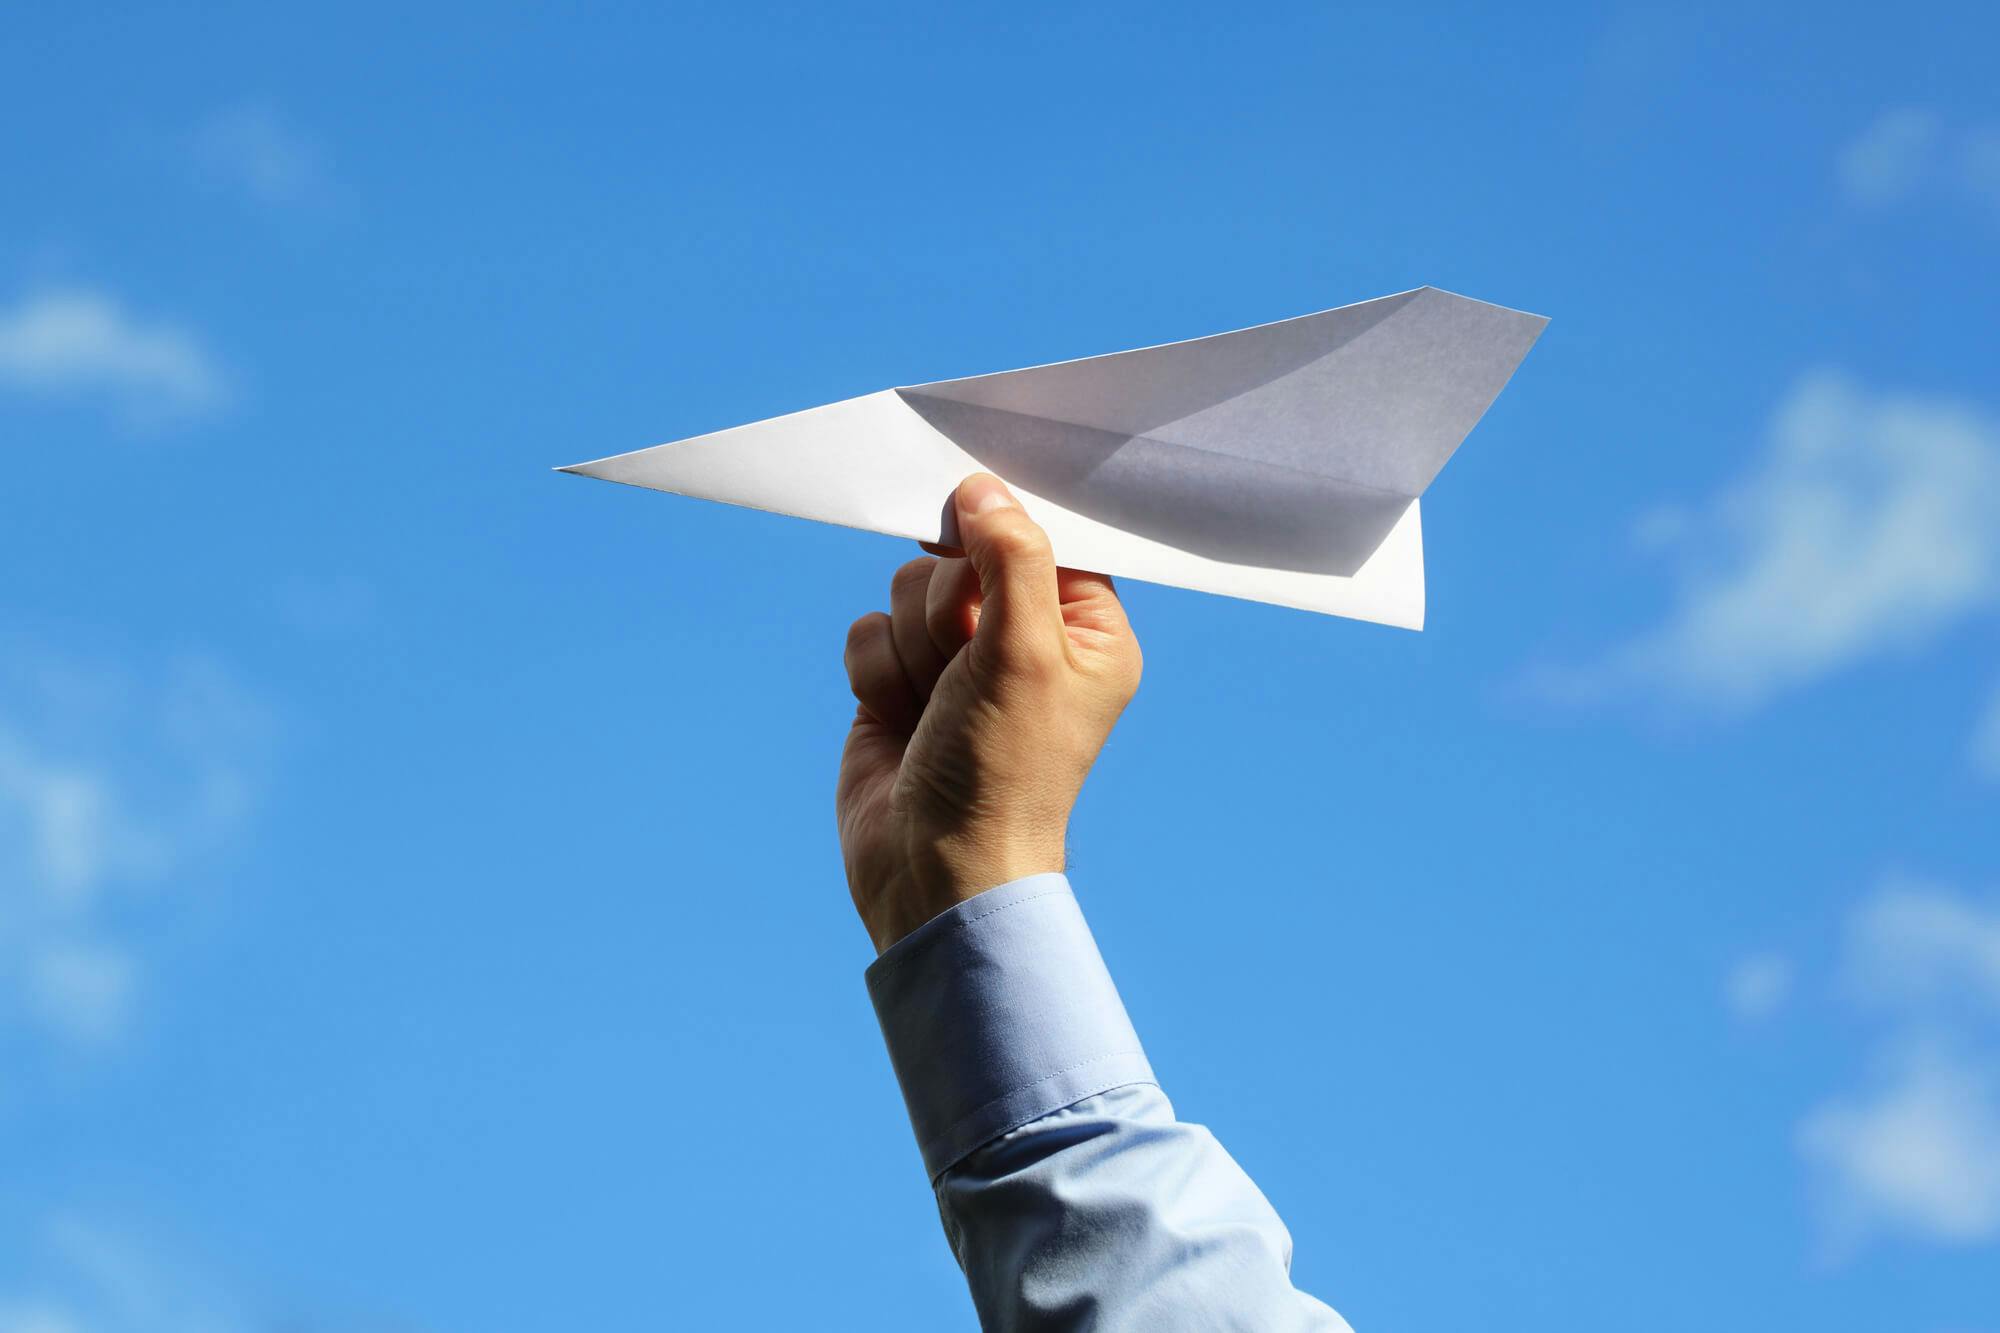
[1280,463]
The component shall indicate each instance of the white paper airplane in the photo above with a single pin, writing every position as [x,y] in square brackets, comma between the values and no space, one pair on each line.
[1280,463]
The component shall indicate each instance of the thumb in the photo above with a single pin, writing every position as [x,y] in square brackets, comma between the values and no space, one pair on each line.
[1016,568]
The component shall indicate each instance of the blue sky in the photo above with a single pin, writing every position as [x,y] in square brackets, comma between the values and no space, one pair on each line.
[419,904]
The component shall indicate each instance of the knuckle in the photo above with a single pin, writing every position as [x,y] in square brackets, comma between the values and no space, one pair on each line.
[943,621]
[1133,670]
[1017,537]
[913,576]
[1115,666]
[863,631]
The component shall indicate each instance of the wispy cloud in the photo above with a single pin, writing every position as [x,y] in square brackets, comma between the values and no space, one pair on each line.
[1908,152]
[1917,945]
[1892,157]
[82,342]
[1919,1154]
[101,1273]
[1758,986]
[107,791]
[38,1316]
[82,989]
[96,1278]
[252,150]
[1916,1152]
[1871,523]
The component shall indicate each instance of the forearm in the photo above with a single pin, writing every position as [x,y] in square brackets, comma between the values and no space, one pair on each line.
[1071,1195]
[1112,1214]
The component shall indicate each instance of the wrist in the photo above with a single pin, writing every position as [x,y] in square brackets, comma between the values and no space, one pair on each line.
[943,874]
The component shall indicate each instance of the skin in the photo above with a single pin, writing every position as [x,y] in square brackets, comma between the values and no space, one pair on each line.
[985,694]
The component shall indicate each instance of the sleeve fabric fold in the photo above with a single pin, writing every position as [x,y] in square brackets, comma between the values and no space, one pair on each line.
[1071,1195]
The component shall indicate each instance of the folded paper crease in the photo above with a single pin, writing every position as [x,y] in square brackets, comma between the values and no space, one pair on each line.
[1281,463]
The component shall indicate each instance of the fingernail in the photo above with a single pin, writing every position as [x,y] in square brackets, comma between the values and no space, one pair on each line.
[984,492]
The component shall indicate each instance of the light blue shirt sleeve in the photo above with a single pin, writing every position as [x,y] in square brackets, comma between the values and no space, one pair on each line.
[1071,1195]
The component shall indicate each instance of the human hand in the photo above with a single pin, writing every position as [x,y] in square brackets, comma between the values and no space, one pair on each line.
[985,694]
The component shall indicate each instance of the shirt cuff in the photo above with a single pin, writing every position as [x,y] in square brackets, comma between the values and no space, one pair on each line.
[999,1012]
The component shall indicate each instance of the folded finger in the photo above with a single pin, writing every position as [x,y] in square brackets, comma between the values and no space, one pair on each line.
[951,606]
[875,674]
[909,591]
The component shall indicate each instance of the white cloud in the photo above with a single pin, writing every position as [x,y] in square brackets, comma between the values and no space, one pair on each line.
[65,817]
[82,342]
[1891,157]
[1920,945]
[1872,522]
[38,1317]
[1909,152]
[251,149]
[1986,739]
[84,991]
[99,1274]
[87,1275]
[1917,1153]
[105,794]
[1758,986]
[131,1283]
